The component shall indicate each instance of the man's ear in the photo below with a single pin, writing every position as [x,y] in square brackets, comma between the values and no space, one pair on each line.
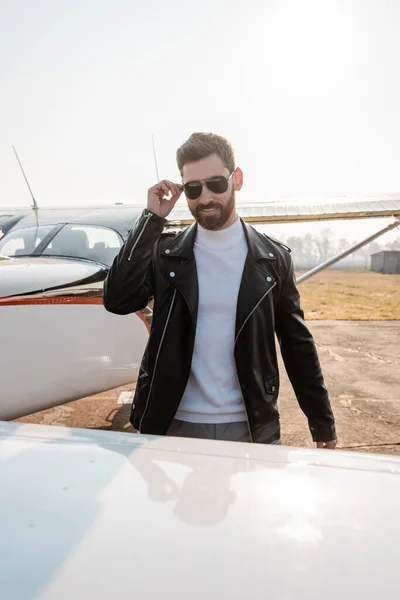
[238,179]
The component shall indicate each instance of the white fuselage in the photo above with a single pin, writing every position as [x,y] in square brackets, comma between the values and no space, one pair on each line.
[61,344]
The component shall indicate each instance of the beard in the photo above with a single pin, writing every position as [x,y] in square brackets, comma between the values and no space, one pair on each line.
[217,221]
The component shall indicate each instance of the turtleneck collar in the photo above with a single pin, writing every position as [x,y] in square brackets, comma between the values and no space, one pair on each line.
[220,238]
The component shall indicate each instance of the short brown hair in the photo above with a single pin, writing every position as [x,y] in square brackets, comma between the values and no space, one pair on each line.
[202,145]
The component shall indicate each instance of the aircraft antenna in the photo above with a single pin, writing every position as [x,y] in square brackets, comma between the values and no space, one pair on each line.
[35,206]
[155,157]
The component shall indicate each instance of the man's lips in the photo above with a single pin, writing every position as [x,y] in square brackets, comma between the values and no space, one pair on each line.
[209,210]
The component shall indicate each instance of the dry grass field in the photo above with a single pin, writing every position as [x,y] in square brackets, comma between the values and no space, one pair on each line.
[351,296]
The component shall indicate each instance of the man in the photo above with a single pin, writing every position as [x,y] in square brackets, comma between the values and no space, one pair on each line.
[221,291]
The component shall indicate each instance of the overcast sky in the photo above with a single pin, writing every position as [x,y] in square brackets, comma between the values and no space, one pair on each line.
[308,92]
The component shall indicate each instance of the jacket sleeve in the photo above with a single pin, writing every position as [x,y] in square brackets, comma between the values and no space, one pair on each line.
[129,283]
[301,360]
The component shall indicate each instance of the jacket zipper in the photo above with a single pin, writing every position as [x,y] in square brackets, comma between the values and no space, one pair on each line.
[156,361]
[236,339]
[147,217]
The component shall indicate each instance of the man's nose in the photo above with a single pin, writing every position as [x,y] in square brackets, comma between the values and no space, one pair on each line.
[206,195]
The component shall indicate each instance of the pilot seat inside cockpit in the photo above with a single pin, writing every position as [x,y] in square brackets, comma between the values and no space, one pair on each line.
[76,244]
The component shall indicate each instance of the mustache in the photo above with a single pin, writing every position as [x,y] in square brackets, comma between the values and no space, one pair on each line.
[207,206]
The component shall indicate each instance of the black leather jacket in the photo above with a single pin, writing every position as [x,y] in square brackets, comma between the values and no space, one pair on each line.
[162,265]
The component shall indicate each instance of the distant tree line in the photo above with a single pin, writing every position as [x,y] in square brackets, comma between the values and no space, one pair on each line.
[309,250]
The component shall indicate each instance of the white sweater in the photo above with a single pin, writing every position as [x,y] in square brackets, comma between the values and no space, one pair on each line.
[213,392]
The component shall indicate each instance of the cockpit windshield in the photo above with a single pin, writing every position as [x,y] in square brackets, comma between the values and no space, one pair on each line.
[89,242]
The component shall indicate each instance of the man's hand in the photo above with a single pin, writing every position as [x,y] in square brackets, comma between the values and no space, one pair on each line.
[328,445]
[157,197]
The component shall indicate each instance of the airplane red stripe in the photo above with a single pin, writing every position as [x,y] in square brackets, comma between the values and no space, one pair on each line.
[43,300]
[29,300]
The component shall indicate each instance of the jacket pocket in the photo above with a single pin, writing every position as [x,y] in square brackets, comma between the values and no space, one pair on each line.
[272,391]
[272,386]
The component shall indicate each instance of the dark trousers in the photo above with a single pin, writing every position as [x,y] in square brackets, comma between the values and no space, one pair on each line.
[231,432]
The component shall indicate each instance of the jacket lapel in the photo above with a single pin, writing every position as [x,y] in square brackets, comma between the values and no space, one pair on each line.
[179,266]
[257,279]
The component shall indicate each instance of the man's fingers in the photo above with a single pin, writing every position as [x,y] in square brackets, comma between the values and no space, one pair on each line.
[171,186]
[161,190]
[331,445]
[177,195]
[166,187]
[162,197]
[177,190]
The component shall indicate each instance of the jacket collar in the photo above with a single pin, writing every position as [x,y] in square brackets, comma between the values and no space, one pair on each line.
[179,266]
[182,245]
[258,245]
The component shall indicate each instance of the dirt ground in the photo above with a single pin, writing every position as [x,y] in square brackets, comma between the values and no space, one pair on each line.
[360,362]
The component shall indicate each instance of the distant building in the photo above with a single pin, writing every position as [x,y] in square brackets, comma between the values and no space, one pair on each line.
[386,261]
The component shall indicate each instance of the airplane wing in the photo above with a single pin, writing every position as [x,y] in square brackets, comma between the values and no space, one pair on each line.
[290,212]
[95,514]
[258,213]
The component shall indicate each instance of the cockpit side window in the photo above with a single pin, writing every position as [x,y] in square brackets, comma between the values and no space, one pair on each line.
[99,244]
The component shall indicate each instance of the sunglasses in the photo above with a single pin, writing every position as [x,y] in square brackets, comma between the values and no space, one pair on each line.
[217,184]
